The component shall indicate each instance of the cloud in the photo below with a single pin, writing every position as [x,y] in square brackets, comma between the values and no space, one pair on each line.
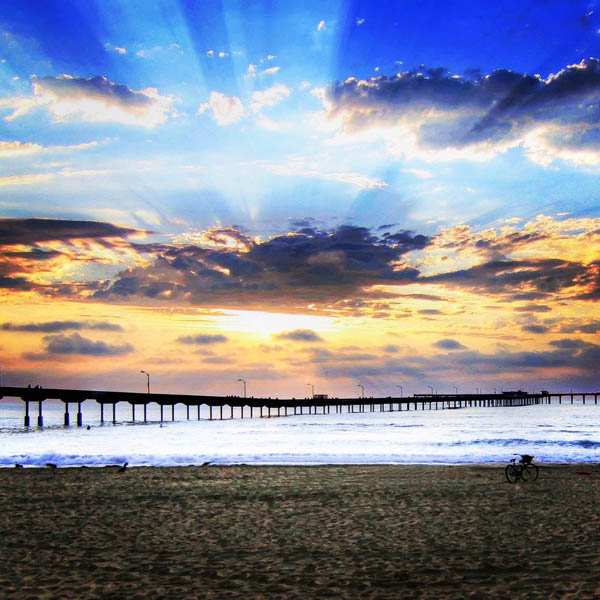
[269,97]
[116,49]
[302,168]
[56,326]
[33,231]
[36,178]
[321,25]
[449,344]
[299,267]
[94,100]
[203,339]
[75,344]
[430,114]
[270,71]
[300,335]
[15,149]
[360,21]
[226,110]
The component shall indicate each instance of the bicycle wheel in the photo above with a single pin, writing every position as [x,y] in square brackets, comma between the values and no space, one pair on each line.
[530,473]
[512,473]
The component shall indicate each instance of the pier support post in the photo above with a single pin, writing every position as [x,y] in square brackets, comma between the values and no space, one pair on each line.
[145,412]
[187,411]
[102,413]
[172,412]
[251,411]
[79,415]
[221,412]
[114,413]
[231,412]
[67,419]
[133,412]
[198,409]
[26,419]
[210,412]
[161,413]
[40,419]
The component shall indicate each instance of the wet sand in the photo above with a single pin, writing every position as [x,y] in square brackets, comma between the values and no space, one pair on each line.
[299,532]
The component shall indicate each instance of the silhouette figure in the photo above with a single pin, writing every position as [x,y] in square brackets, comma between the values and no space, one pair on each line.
[123,468]
[18,466]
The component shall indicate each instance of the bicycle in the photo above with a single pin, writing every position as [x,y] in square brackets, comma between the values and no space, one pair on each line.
[523,470]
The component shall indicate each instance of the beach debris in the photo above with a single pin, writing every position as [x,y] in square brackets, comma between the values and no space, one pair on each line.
[122,468]
[18,466]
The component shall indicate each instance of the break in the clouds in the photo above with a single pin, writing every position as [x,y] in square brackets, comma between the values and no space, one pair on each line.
[93,100]
[434,113]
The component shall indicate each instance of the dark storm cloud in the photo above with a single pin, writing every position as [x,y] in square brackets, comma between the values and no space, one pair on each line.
[535,328]
[75,344]
[307,265]
[300,335]
[502,105]
[56,326]
[449,344]
[203,339]
[33,231]
[511,276]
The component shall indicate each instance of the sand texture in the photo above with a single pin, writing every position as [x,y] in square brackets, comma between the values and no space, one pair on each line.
[299,532]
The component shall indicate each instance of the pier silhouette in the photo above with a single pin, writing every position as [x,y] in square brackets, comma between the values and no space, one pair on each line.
[222,407]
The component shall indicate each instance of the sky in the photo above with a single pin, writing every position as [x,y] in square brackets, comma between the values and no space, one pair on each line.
[393,195]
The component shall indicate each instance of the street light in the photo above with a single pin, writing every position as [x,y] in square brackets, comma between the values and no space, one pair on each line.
[243,381]
[401,390]
[362,389]
[431,388]
[147,378]
[312,389]
[456,390]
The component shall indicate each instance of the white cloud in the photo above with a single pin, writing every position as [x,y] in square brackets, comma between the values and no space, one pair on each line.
[300,168]
[116,49]
[33,178]
[251,72]
[94,100]
[271,71]
[15,148]
[269,97]
[226,110]
[360,22]
[210,53]
[321,26]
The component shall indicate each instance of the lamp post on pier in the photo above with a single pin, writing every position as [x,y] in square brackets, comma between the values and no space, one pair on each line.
[401,391]
[362,389]
[431,388]
[312,389]
[243,382]
[147,379]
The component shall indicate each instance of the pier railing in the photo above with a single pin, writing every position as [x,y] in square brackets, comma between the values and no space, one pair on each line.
[222,407]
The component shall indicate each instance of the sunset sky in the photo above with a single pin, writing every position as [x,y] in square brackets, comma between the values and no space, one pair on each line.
[336,193]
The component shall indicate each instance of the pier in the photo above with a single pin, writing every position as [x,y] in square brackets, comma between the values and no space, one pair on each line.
[222,407]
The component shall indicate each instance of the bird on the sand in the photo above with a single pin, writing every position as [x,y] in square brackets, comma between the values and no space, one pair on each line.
[123,468]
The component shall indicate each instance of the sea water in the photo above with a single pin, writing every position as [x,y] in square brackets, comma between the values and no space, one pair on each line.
[552,433]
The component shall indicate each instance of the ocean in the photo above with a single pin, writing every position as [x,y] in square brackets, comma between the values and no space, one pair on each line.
[552,433]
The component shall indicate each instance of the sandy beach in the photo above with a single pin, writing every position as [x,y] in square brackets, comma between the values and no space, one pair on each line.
[299,532]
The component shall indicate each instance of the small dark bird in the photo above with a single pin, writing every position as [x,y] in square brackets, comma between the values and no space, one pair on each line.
[51,466]
[18,466]
[88,427]
[123,468]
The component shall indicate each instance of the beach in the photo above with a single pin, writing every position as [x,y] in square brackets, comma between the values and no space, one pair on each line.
[299,532]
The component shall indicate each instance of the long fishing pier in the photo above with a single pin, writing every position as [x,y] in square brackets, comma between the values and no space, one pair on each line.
[222,407]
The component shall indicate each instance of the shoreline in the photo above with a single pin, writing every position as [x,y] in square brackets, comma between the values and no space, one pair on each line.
[340,531]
